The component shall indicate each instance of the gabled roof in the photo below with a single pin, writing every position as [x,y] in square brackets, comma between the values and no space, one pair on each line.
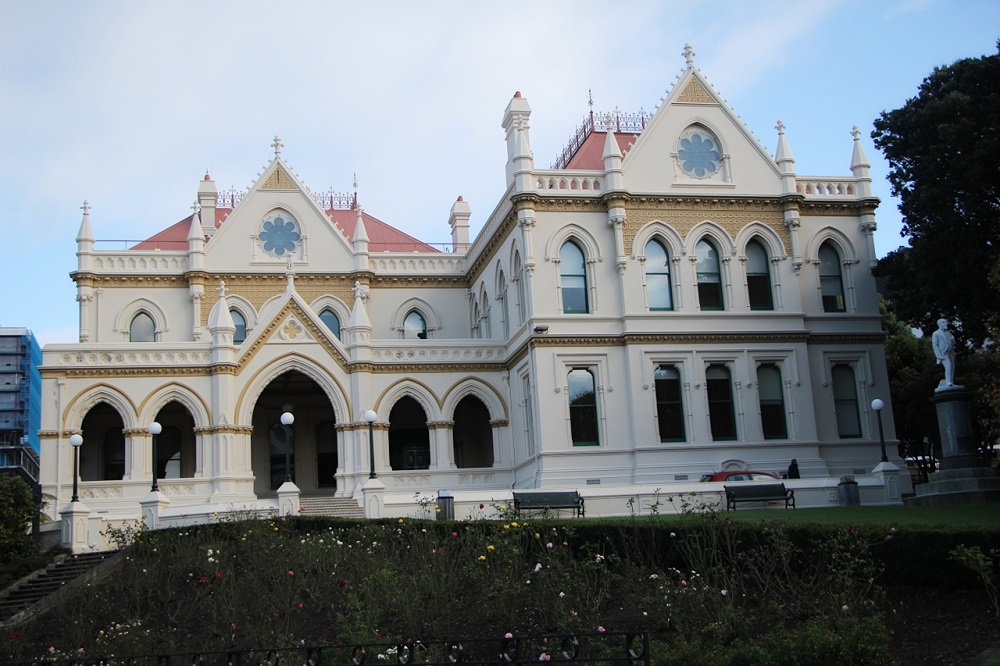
[590,154]
[382,237]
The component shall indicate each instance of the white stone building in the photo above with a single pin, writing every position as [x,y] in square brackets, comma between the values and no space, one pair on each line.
[670,300]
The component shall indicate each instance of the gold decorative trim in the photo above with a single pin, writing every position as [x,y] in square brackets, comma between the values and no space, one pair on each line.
[258,289]
[280,319]
[407,368]
[135,281]
[224,430]
[492,247]
[695,93]
[118,371]
[419,281]
[277,180]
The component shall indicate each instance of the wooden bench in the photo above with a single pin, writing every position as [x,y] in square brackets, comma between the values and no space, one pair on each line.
[759,492]
[549,499]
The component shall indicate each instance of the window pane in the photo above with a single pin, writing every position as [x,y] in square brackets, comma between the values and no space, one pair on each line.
[142,329]
[241,326]
[573,278]
[720,403]
[845,398]
[772,403]
[658,287]
[758,277]
[669,407]
[709,276]
[332,321]
[831,282]
[582,407]
[414,327]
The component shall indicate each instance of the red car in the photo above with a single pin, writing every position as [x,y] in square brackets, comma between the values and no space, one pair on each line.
[741,475]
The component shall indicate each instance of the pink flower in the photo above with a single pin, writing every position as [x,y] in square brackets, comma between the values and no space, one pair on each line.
[601,630]
[508,635]
[482,506]
[302,605]
[291,573]
[232,625]
[544,657]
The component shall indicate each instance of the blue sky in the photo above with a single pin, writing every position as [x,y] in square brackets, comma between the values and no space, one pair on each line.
[128,104]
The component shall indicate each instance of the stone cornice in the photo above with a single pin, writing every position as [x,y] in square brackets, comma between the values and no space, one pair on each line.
[420,281]
[224,429]
[841,208]
[492,246]
[173,281]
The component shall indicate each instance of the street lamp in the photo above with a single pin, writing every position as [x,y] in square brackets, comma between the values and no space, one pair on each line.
[287,419]
[154,430]
[370,416]
[877,405]
[76,441]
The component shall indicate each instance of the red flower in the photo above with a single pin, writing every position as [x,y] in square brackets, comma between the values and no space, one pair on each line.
[342,583]
[302,605]
[291,573]
[482,506]
[218,574]
[203,579]
[454,535]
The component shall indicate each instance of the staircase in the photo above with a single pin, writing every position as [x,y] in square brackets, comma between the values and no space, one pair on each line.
[27,593]
[337,507]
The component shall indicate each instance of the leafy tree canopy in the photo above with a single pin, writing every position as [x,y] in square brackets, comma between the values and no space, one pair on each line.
[942,149]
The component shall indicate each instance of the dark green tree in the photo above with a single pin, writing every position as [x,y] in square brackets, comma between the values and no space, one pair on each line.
[17,508]
[942,148]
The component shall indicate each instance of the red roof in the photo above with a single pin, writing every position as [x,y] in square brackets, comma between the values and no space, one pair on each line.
[590,153]
[382,237]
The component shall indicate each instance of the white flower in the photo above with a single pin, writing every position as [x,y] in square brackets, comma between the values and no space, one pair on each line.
[725,592]
[562,594]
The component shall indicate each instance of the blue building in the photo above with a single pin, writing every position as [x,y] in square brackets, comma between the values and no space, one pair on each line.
[20,401]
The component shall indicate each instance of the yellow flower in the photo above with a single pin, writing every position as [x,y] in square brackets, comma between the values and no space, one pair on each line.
[482,558]
[506,527]
[503,507]
[537,535]
[491,547]
[514,524]
[437,509]
[424,530]
[400,521]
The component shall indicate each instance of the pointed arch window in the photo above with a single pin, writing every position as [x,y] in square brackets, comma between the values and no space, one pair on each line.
[669,406]
[142,329]
[518,277]
[721,414]
[332,321]
[658,287]
[582,407]
[831,280]
[772,402]
[241,327]
[758,277]
[573,274]
[709,276]
[414,326]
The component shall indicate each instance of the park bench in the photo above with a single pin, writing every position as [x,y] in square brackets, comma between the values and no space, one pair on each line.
[759,492]
[549,499]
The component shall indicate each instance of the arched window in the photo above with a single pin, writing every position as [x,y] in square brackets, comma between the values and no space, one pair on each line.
[332,321]
[669,407]
[772,402]
[709,276]
[721,415]
[831,281]
[582,408]
[758,277]
[573,273]
[142,329]
[522,306]
[845,401]
[414,326]
[658,288]
[241,327]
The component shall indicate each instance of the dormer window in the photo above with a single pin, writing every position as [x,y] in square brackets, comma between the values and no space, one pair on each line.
[699,153]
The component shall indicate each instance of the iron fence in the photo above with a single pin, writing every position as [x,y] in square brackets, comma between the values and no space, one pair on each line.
[606,648]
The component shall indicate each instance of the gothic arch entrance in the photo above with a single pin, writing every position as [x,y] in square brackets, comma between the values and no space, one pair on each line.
[312,456]
[472,435]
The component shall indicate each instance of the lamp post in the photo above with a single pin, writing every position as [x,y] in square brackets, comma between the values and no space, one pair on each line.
[287,419]
[370,416]
[76,441]
[877,405]
[154,430]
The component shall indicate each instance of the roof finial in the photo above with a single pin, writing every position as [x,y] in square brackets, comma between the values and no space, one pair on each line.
[855,132]
[196,207]
[86,205]
[221,289]
[688,54]
[277,145]
[780,127]
[355,190]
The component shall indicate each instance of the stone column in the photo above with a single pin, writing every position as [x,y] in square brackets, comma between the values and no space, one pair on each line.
[958,445]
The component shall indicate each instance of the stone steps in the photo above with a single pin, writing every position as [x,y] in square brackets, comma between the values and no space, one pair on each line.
[33,590]
[337,507]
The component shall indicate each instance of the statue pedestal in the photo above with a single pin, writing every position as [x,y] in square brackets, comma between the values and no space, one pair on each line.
[962,478]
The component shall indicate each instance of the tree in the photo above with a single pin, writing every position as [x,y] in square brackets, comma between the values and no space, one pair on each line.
[942,148]
[17,508]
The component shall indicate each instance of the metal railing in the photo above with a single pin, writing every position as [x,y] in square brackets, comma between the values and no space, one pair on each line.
[608,648]
[19,458]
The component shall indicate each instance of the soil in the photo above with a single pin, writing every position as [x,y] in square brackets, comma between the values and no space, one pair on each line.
[939,626]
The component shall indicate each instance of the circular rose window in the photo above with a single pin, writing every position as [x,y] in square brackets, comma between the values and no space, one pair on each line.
[279,236]
[699,154]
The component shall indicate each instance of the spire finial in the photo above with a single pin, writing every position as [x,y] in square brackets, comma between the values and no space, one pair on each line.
[86,207]
[221,289]
[196,207]
[780,127]
[277,145]
[590,99]
[688,54]
[856,133]
[609,122]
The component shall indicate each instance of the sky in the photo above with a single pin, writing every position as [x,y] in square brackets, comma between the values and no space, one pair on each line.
[128,104]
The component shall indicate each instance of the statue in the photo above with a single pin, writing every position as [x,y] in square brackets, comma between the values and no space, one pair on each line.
[944,349]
